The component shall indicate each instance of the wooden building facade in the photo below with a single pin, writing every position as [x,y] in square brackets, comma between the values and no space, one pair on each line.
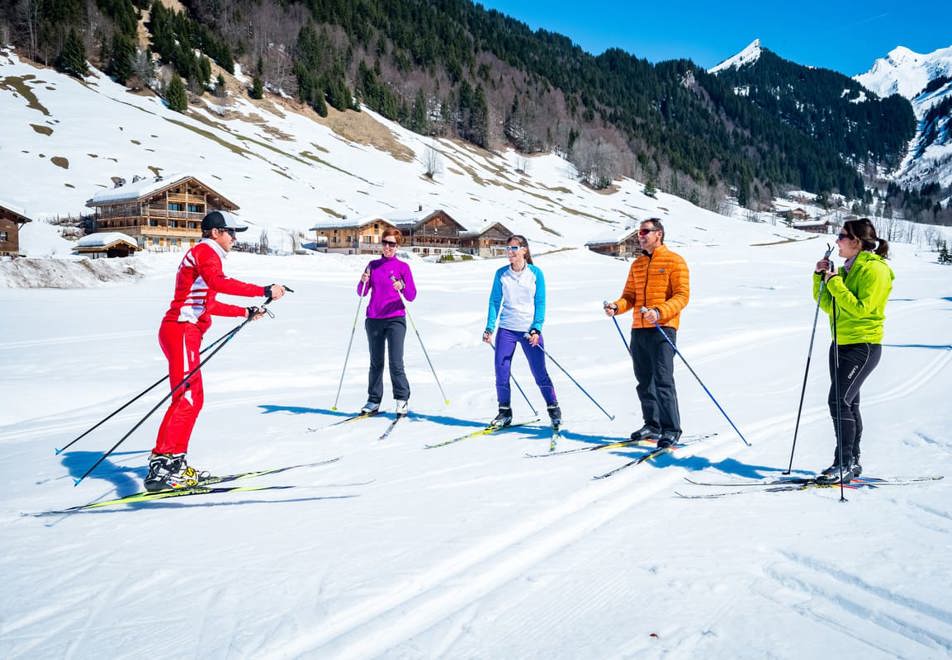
[361,237]
[161,214]
[490,241]
[11,219]
[433,233]
[623,246]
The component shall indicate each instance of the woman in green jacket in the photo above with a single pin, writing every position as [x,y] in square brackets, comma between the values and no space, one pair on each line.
[855,298]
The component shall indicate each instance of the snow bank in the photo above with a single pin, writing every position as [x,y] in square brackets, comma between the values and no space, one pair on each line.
[67,273]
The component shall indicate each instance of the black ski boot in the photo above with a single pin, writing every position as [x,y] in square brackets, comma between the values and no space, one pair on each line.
[668,439]
[168,471]
[831,475]
[503,419]
[555,414]
[646,433]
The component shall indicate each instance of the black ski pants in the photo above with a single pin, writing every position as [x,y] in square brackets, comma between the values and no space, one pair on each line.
[388,333]
[856,362]
[653,360]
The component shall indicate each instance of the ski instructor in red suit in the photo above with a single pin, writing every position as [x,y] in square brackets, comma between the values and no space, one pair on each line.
[198,281]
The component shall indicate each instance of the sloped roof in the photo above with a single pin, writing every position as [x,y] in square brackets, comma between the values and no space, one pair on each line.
[344,223]
[613,237]
[15,210]
[105,239]
[482,230]
[145,188]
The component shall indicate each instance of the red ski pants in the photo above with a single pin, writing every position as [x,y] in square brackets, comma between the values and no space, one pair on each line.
[181,343]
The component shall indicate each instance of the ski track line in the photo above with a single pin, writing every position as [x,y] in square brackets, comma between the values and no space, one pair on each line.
[419,602]
[850,595]
[79,339]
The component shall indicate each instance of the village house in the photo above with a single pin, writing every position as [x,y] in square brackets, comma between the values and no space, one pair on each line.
[428,232]
[161,214]
[11,219]
[490,241]
[351,237]
[622,245]
[795,215]
[817,226]
[106,244]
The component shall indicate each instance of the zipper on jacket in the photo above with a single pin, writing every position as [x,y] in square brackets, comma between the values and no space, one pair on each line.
[644,293]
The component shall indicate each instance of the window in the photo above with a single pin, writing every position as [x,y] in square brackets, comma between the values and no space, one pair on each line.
[195,208]
[3,237]
[173,223]
[175,206]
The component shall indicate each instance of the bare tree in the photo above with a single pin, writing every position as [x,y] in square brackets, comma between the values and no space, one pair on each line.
[432,163]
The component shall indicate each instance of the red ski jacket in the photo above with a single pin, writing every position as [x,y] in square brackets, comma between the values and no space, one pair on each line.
[198,280]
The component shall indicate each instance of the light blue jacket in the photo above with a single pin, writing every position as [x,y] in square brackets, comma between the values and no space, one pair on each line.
[529,309]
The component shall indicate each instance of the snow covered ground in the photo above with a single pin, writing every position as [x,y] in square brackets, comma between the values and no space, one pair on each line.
[473,550]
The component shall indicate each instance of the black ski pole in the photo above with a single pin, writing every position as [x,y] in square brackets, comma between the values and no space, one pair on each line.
[806,372]
[131,401]
[555,362]
[668,339]
[516,383]
[836,393]
[228,337]
[350,342]
[618,327]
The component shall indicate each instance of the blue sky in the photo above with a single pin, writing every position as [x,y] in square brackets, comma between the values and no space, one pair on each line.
[844,36]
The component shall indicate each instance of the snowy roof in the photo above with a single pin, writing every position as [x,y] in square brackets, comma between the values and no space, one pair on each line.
[105,239]
[811,223]
[473,233]
[613,237]
[14,209]
[144,188]
[344,223]
[747,56]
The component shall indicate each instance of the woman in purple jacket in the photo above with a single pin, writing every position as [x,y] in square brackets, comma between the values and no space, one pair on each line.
[386,279]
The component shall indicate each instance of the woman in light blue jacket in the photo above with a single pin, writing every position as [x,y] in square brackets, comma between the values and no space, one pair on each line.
[518,302]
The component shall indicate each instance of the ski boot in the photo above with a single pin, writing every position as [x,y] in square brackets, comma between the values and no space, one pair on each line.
[169,471]
[646,432]
[555,414]
[370,408]
[668,439]
[401,407]
[503,419]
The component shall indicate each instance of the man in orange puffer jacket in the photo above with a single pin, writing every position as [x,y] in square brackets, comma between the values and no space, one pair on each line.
[657,290]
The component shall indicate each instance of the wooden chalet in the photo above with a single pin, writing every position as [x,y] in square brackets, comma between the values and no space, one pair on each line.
[819,226]
[490,241]
[106,244]
[11,219]
[428,232]
[796,215]
[356,237]
[623,246]
[164,213]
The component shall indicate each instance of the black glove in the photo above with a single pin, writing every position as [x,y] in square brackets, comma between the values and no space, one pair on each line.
[253,311]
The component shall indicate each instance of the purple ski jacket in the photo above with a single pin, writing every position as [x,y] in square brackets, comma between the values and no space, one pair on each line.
[385,301]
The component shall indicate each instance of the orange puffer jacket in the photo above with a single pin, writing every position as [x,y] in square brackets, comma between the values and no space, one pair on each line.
[661,281]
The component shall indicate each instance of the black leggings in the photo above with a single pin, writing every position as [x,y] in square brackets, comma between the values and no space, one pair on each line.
[857,361]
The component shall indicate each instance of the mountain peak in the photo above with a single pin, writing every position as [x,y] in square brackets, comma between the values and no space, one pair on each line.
[749,55]
[904,71]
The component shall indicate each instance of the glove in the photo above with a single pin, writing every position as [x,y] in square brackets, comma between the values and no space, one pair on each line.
[255,313]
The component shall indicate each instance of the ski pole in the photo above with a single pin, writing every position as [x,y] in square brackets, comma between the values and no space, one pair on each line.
[227,338]
[806,372]
[413,325]
[836,393]
[668,339]
[130,401]
[555,362]
[621,334]
[516,383]
[360,301]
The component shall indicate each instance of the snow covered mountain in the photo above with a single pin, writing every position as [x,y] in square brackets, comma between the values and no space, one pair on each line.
[926,80]
[749,55]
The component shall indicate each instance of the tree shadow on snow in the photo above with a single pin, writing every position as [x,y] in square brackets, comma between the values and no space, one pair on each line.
[126,479]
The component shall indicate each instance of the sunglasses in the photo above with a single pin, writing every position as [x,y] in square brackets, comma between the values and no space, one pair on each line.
[230,232]
[843,237]
[645,232]
[513,248]
[389,243]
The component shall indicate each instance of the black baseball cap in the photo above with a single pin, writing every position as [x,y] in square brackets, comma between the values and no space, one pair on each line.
[221,220]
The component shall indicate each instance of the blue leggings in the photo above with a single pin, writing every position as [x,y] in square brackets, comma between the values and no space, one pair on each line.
[506,341]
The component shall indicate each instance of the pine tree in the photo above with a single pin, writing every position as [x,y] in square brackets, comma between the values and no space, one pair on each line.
[72,59]
[122,58]
[175,94]
[257,88]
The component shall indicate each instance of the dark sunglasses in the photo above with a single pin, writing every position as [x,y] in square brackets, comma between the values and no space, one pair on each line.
[230,232]
[645,232]
[843,237]
[513,248]
[389,243]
